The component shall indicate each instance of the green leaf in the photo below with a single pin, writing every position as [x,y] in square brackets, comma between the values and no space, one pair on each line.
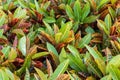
[98,59]
[60,69]
[20,13]
[41,74]
[77,10]
[49,29]
[22,45]
[115,72]
[4,75]
[38,55]
[27,75]
[112,12]
[108,22]
[90,19]
[1,33]
[37,5]
[108,77]
[2,20]
[102,25]
[12,55]
[89,30]
[75,26]
[6,51]
[49,19]
[65,30]
[63,55]
[114,61]
[46,5]
[22,3]
[76,63]
[102,3]
[94,68]
[74,51]
[69,12]
[58,37]
[9,74]
[51,48]
[31,35]
[85,40]
[85,11]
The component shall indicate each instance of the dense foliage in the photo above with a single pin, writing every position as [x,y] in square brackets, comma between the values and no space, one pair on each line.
[59,40]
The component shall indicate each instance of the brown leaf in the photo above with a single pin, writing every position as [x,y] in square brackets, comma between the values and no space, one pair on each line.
[38,64]
[15,42]
[5,28]
[47,37]
[60,46]
[3,41]
[63,77]
[96,40]
[49,68]
[54,60]
[39,16]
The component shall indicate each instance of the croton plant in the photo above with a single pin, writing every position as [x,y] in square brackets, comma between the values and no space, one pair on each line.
[59,39]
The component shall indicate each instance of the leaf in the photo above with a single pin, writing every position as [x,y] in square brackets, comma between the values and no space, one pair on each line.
[58,37]
[49,68]
[46,5]
[98,59]
[4,75]
[108,22]
[12,55]
[1,33]
[31,35]
[38,55]
[90,19]
[93,68]
[69,12]
[27,61]
[41,74]
[49,29]
[107,77]
[49,19]
[63,77]
[60,70]
[55,59]
[22,45]
[27,75]
[18,32]
[102,25]
[102,3]
[114,61]
[76,64]
[115,72]
[65,30]
[36,5]
[85,40]
[51,48]
[74,51]
[22,3]
[62,55]
[112,12]
[20,13]
[77,10]
[9,74]
[2,20]
[89,30]
[6,51]
[85,11]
